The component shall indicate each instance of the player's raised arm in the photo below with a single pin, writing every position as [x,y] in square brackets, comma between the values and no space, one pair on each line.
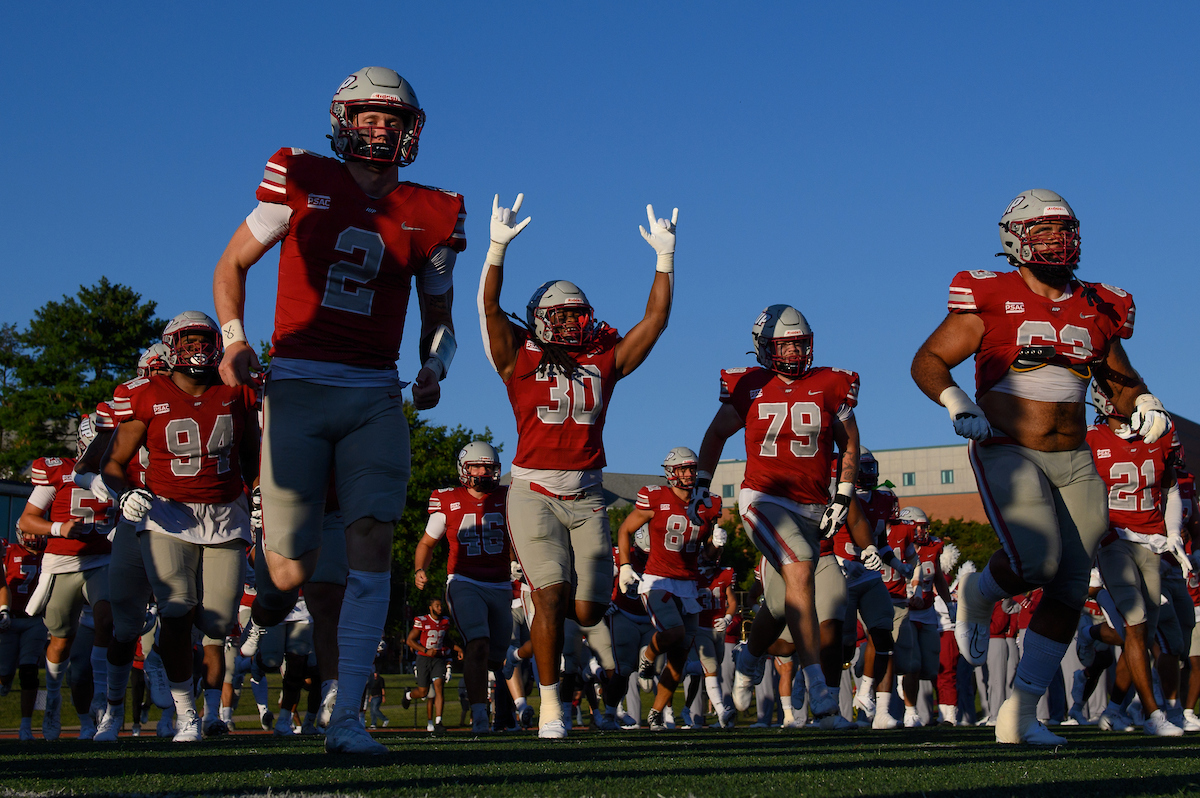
[638,342]
[229,299]
[499,343]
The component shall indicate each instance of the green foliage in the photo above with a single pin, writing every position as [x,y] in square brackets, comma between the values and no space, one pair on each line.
[616,517]
[976,541]
[71,356]
[434,465]
[740,553]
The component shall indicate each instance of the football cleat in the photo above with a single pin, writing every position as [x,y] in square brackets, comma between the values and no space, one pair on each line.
[654,719]
[510,663]
[728,717]
[136,731]
[156,681]
[972,627]
[1013,729]
[605,722]
[51,723]
[25,735]
[188,729]
[527,717]
[834,722]
[309,727]
[110,725]
[283,725]
[823,703]
[912,718]
[406,700]
[87,726]
[166,725]
[794,722]
[865,704]
[645,672]
[1115,720]
[552,730]
[266,720]
[1159,725]
[215,727]
[251,639]
[326,711]
[348,736]
[438,728]
[884,721]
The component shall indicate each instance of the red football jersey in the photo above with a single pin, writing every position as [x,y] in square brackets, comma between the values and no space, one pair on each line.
[1132,471]
[1193,580]
[1028,605]
[193,440]
[70,501]
[433,634]
[104,417]
[560,422]
[135,472]
[674,539]
[21,568]
[1001,621]
[1078,330]
[631,604]
[476,532]
[714,602]
[347,261]
[789,428]
[879,506]
[900,538]
[928,554]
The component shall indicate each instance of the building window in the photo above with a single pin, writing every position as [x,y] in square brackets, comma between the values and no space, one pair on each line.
[947,476]
[727,491]
[909,479]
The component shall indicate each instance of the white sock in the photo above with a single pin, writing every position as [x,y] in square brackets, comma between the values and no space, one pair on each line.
[360,628]
[185,702]
[227,714]
[118,681]
[883,703]
[785,701]
[100,671]
[1172,703]
[325,685]
[712,686]
[520,703]
[866,686]
[54,675]
[551,705]
[212,703]
[437,720]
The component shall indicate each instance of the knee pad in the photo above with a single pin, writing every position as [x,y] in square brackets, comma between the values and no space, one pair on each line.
[28,675]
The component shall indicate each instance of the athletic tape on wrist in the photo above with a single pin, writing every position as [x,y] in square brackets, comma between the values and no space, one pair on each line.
[232,332]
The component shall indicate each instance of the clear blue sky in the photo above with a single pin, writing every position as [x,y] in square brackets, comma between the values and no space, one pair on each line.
[845,158]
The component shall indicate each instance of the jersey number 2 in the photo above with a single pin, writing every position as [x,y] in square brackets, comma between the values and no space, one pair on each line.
[339,294]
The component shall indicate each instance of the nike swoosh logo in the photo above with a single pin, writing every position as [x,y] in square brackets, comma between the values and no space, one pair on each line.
[976,651]
[1087,317]
[227,404]
[815,393]
[404,226]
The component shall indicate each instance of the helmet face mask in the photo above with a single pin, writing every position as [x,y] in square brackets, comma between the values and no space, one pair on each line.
[916,517]
[868,470]
[475,455]
[1040,231]
[31,542]
[559,313]
[376,89]
[194,341]
[783,341]
[155,360]
[680,467]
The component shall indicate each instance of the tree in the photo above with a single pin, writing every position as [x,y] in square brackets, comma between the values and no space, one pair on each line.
[434,465]
[975,541]
[71,356]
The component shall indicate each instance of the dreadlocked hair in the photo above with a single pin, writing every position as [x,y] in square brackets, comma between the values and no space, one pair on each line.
[555,357]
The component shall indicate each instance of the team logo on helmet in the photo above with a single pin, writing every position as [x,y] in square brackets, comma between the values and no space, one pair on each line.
[1039,230]
[680,467]
[383,89]
[783,341]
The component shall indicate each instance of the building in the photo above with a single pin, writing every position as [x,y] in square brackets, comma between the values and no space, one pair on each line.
[13,496]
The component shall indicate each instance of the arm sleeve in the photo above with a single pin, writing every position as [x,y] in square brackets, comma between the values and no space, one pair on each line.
[437,276]
[1173,513]
[42,496]
[436,526]
[643,499]
[269,222]
[962,291]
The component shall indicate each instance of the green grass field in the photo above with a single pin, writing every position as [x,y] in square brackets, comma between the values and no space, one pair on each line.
[932,762]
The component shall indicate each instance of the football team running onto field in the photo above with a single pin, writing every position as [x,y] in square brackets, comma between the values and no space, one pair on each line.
[215,496]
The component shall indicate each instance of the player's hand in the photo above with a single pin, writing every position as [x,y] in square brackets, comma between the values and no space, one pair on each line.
[871,559]
[72,530]
[700,505]
[5,620]
[420,579]
[721,624]
[515,572]
[837,509]
[719,537]
[968,419]
[661,235]
[1149,418]
[237,363]
[628,578]
[427,391]
[1175,546]
[504,221]
[135,503]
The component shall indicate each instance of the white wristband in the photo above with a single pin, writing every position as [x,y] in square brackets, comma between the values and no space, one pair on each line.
[495,254]
[665,263]
[845,488]
[232,332]
[56,529]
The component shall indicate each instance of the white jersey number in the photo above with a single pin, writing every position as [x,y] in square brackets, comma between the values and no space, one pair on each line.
[183,441]
[681,534]
[481,538]
[1078,338]
[805,425]
[580,399]
[339,293]
[1128,485]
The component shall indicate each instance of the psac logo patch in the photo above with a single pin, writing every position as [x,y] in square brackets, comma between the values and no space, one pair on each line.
[1103,453]
[318,201]
[162,407]
[1014,307]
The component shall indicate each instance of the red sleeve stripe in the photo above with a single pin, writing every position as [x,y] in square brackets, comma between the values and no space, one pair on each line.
[961,299]
[39,476]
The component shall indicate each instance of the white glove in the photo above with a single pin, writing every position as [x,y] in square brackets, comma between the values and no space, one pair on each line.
[628,578]
[1149,418]
[504,227]
[256,524]
[515,573]
[700,496]
[837,509]
[969,420]
[871,559]
[1175,546]
[721,624]
[719,537]
[662,238]
[5,620]
[135,503]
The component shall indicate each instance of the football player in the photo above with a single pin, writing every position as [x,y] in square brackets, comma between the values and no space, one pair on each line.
[928,583]
[1038,334]
[1145,519]
[74,571]
[22,637]
[667,584]
[560,369]
[718,605]
[631,628]
[428,639]
[353,238]
[1174,585]
[192,515]
[478,585]
[793,414]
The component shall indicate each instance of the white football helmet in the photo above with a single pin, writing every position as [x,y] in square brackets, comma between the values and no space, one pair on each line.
[641,538]
[382,88]
[915,516]
[779,325]
[542,314]
[1055,252]
[479,453]
[196,357]
[677,458]
[1104,406]
[86,433]
[155,360]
